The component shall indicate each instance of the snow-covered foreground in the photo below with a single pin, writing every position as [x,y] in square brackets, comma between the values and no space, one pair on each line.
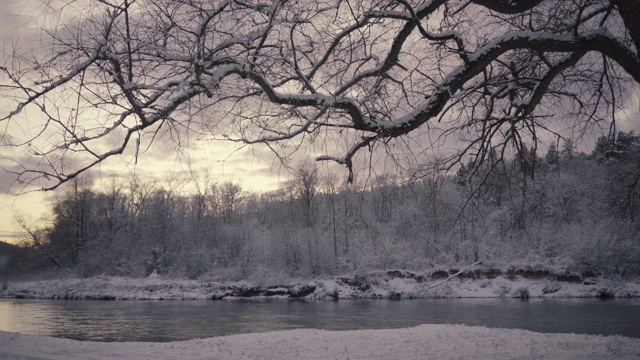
[422,342]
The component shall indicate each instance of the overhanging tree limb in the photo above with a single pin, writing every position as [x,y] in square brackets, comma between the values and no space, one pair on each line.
[278,71]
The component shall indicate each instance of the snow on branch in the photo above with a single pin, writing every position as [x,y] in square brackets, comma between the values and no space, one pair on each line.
[272,72]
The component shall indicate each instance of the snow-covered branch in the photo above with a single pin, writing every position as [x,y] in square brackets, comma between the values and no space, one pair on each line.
[278,70]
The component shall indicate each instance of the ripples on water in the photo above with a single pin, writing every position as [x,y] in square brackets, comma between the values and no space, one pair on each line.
[183,320]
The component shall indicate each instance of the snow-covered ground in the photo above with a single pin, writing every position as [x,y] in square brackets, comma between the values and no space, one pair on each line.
[421,342]
[424,342]
[387,284]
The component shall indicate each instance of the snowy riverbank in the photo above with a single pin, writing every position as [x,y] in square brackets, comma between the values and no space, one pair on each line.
[421,342]
[392,284]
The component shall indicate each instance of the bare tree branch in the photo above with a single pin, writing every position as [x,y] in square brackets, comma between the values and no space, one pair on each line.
[482,72]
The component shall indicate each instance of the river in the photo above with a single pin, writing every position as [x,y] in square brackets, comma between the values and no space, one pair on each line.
[162,321]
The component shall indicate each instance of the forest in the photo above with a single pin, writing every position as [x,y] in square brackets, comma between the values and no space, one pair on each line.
[566,211]
[484,84]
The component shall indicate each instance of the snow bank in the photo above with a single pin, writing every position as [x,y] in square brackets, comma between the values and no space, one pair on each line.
[422,342]
[393,284]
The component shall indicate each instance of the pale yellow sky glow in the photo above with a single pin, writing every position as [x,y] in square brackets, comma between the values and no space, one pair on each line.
[255,168]
[193,161]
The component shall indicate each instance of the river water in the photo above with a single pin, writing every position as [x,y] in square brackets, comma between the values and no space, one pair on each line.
[182,320]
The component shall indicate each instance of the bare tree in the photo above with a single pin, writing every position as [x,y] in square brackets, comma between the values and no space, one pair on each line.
[306,187]
[331,190]
[73,218]
[228,194]
[37,239]
[491,74]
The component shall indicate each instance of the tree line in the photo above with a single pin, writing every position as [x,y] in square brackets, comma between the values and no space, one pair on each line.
[565,210]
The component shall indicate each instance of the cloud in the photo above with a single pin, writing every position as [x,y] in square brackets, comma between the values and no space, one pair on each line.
[7,182]
[13,16]
[10,163]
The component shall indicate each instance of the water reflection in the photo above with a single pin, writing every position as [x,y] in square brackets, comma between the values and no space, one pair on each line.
[182,320]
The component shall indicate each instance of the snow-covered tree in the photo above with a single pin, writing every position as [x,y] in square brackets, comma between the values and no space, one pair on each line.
[552,155]
[109,75]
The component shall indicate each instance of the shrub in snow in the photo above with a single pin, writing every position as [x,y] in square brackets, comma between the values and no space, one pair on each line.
[551,288]
[361,282]
[198,265]
[605,293]
[502,288]
[394,295]
[522,293]
[334,293]
[302,290]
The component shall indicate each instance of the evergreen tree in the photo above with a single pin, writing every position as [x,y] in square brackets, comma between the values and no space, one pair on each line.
[552,155]
[621,147]
[462,175]
[568,150]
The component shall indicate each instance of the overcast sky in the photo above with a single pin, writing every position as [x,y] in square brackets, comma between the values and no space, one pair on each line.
[254,168]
